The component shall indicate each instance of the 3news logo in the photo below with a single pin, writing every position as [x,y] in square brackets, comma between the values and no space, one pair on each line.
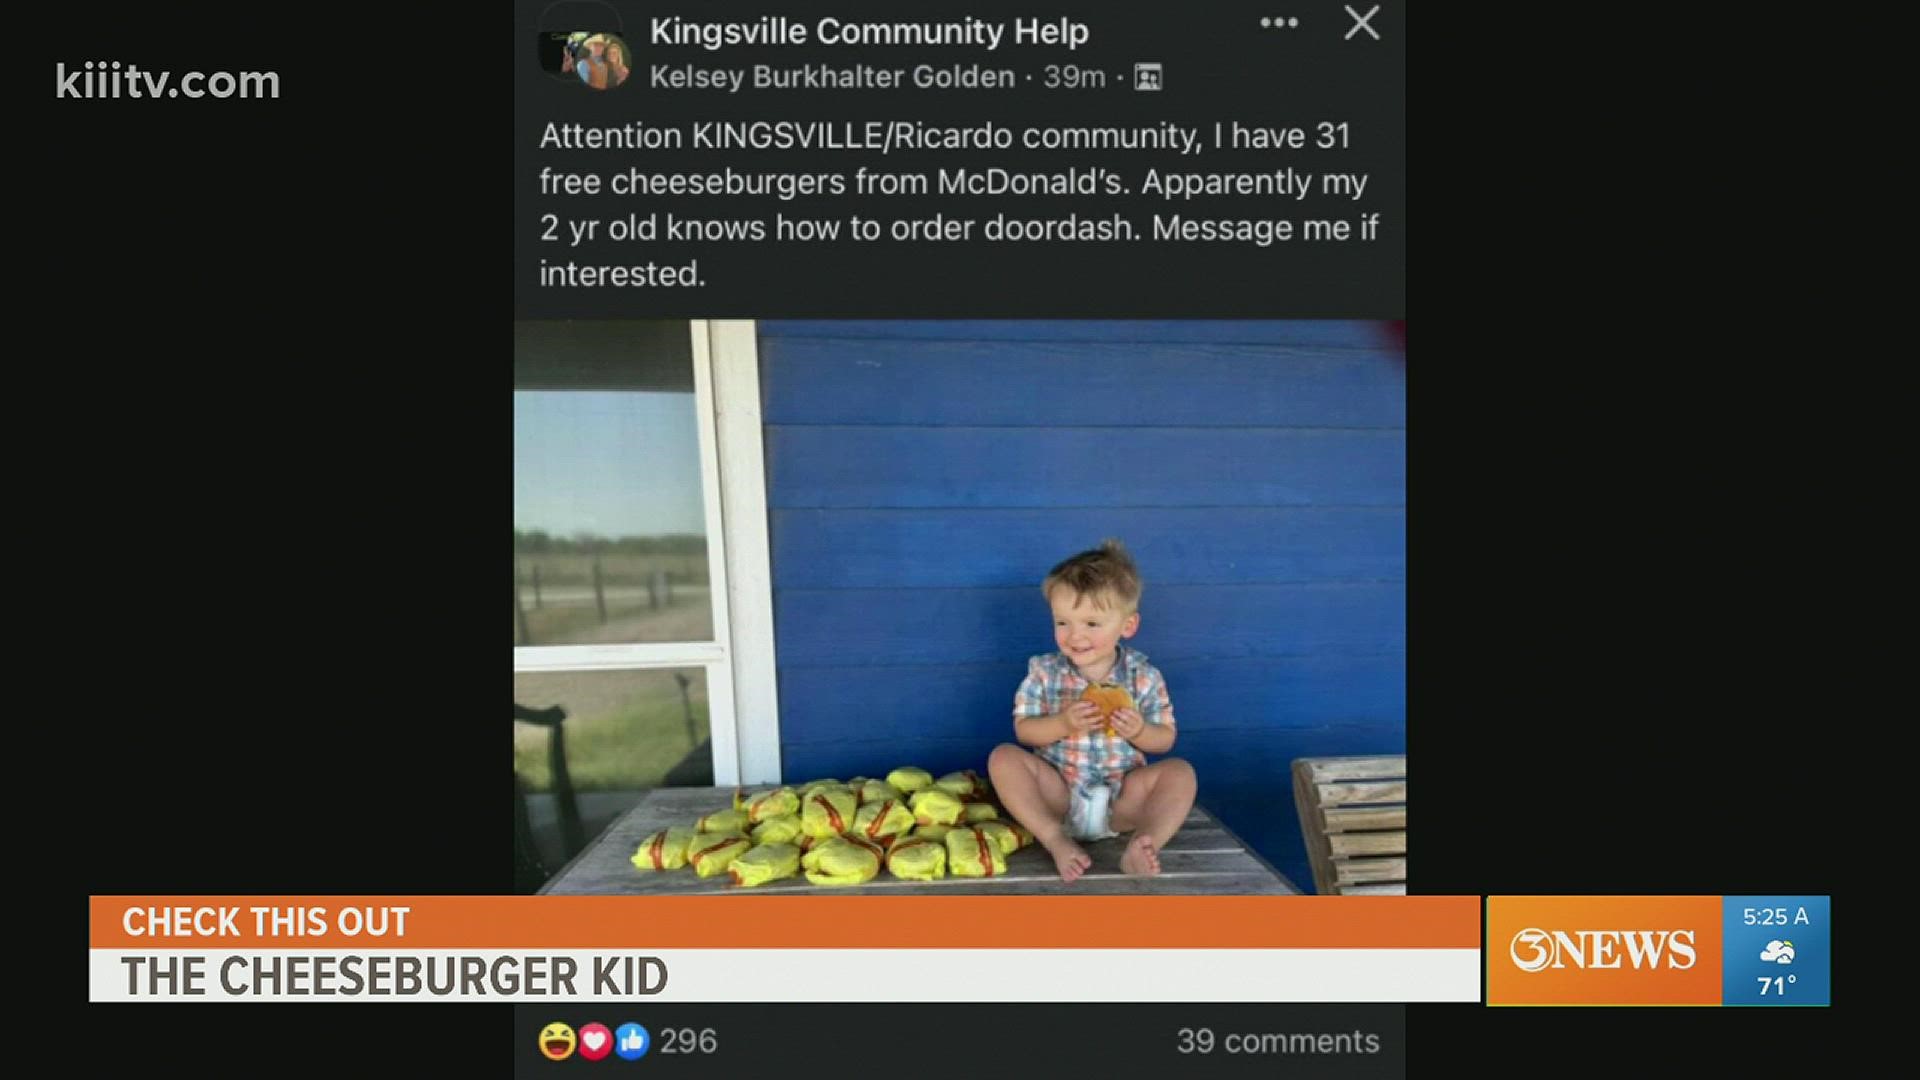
[1657,950]
[594,1042]
[1533,949]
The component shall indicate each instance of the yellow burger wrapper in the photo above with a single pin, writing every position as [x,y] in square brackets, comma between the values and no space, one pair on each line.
[712,855]
[972,853]
[784,829]
[768,862]
[876,791]
[1000,833]
[772,804]
[963,783]
[937,833]
[936,807]
[720,821]
[812,786]
[837,789]
[843,860]
[915,858]
[883,820]
[1022,834]
[826,813]
[664,850]
[978,811]
[909,779]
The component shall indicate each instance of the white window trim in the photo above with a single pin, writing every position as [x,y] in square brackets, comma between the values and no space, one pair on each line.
[721,718]
[742,701]
[734,353]
[672,654]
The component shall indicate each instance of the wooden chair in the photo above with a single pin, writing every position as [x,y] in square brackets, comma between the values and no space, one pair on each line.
[527,861]
[1353,816]
[529,870]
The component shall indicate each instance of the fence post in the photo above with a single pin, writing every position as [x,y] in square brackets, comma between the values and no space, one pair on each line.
[686,705]
[599,593]
[520,612]
[536,586]
[653,593]
[571,831]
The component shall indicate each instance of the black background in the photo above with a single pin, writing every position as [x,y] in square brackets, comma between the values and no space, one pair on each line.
[275,342]
[1117,1039]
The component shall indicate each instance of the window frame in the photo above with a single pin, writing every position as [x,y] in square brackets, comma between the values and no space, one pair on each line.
[742,698]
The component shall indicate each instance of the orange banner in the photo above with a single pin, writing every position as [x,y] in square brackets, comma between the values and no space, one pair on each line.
[783,922]
[1603,950]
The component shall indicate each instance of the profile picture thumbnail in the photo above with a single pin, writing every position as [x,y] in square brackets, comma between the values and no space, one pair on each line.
[597,59]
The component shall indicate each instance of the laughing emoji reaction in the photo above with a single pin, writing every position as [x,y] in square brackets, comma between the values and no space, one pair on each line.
[556,1041]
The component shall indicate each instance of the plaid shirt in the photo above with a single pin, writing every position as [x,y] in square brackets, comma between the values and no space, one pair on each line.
[1053,683]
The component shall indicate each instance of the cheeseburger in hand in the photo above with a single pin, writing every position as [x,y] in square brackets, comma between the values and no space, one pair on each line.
[1109,698]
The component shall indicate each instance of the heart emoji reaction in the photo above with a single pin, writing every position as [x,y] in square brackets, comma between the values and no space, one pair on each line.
[596,1042]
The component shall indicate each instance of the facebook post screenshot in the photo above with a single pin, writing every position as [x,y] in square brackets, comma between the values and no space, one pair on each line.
[979,573]
[952,405]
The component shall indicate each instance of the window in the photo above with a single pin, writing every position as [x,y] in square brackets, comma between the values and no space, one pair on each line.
[609,526]
[626,434]
[626,730]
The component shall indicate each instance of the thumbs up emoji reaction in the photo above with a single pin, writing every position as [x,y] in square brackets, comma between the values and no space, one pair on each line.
[631,1041]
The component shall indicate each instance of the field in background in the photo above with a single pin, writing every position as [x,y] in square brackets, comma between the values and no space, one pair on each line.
[578,599]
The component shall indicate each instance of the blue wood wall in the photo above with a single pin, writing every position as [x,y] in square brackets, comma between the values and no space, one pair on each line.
[924,476]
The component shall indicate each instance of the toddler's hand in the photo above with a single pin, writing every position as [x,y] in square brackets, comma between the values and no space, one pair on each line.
[1128,723]
[1082,716]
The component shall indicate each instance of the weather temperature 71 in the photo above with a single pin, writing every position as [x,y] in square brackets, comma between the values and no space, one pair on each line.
[1774,916]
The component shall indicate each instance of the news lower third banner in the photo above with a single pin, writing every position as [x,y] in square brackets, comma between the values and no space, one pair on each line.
[1659,950]
[734,948]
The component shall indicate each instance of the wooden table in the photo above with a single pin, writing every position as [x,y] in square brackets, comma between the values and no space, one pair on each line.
[1205,858]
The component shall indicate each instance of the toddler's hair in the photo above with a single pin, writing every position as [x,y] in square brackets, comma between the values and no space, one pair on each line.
[1107,569]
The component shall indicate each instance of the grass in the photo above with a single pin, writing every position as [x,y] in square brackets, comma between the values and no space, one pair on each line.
[625,729]
[688,618]
[563,624]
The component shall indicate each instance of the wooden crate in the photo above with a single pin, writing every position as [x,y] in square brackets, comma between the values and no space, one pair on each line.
[1353,816]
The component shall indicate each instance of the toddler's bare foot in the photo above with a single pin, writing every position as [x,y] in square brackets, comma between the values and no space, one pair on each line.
[1069,859]
[1140,858]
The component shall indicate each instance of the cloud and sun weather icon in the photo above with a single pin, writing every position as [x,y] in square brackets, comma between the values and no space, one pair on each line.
[1778,952]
